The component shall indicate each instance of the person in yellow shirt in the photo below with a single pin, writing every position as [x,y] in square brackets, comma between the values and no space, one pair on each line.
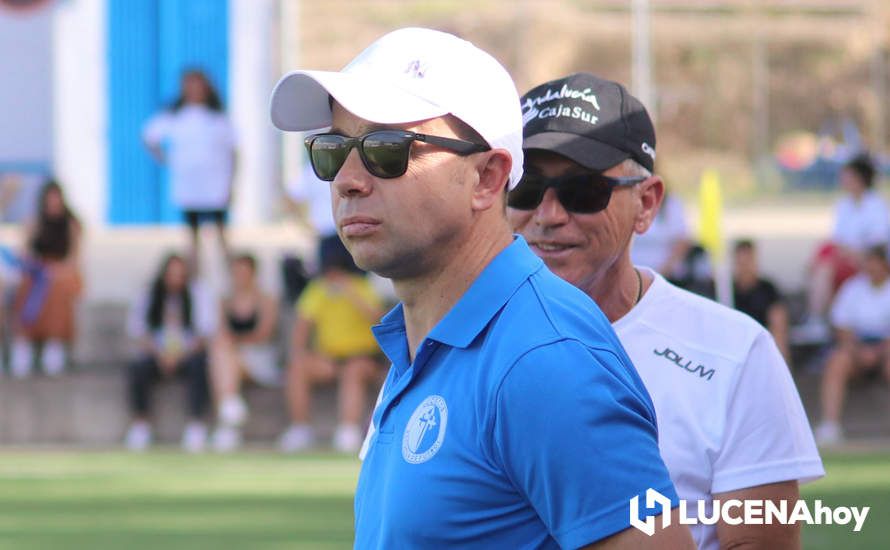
[332,340]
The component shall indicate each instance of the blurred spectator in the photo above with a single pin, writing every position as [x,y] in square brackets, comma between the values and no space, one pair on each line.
[861,221]
[332,340]
[861,316]
[171,325]
[665,245]
[314,196]
[199,141]
[758,297]
[244,347]
[50,285]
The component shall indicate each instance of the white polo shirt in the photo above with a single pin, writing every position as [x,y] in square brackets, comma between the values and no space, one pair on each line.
[200,144]
[729,415]
[863,223]
[863,308]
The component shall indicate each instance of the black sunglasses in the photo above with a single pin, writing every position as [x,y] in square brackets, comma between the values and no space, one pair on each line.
[580,193]
[383,152]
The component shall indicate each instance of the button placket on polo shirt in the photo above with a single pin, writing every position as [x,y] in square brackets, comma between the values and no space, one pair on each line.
[402,385]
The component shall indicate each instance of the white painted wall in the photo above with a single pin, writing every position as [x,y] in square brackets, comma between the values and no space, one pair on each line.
[26,90]
[291,143]
[252,74]
[80,105]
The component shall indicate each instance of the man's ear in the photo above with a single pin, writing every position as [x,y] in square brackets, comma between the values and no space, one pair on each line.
[493,171]
[651,195]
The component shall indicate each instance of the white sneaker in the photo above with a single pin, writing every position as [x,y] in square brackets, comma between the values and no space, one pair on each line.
[226,439]
[829,434]
[22,358]
[348,438]
[297,437]
[138,437]
[232,411]
[53,358]
[194,437]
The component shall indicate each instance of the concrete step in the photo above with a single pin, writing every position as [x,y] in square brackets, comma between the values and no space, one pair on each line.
[867,409]
[87,407]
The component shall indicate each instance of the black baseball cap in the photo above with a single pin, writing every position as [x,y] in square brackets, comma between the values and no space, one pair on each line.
[592,121]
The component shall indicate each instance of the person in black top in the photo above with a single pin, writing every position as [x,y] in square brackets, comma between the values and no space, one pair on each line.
[244,347]
[51,285]
[757,296]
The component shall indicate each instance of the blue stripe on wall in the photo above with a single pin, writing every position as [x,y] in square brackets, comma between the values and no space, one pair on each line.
[193,34]
[132,97]
[151,42]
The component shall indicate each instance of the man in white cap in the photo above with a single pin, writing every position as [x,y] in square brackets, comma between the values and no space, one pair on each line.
[511,417]
[731,425]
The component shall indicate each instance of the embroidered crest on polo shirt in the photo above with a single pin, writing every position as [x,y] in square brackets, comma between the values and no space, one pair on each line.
[425,430]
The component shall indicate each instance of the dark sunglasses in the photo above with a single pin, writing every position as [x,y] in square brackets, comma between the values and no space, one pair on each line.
[580,193]
[383,152]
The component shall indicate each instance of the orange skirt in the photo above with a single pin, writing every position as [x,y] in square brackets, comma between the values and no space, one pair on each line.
[55,320]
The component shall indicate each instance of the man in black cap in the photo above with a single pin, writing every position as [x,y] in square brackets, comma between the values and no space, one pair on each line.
[731,425]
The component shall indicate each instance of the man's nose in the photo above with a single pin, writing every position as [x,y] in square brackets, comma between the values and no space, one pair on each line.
[550,212]
[353,180]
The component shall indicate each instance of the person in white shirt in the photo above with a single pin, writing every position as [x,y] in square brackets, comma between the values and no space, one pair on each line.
[664,246]
[171,325]
[730,421]
[861,220]
[861,317]
[197,141]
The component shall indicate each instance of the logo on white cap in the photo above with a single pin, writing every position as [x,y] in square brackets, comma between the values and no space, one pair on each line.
[416,68]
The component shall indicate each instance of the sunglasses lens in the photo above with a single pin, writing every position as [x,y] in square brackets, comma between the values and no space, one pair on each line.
[528,194]
[386,153]
[585,195]
[328,153]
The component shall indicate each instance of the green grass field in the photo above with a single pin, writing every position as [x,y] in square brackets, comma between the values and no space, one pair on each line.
[99,500]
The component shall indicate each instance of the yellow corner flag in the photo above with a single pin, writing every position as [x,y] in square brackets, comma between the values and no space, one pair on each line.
[710,212]
[710,233]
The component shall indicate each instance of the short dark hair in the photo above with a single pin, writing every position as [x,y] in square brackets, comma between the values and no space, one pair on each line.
[864,169]
[878,252]
[333,254]
[744,245]
[466,132]
[212,100]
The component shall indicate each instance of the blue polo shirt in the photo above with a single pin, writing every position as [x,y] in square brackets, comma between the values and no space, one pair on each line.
[521,422]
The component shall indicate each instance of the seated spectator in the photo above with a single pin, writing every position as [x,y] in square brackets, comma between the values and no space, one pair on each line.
[861,221]
[244,347]
[861,316]
[758,297]
[171,325]
[332,340]
[50,285]
[665,246]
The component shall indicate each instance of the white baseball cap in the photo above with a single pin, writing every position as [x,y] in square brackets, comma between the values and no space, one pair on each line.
[410,75]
